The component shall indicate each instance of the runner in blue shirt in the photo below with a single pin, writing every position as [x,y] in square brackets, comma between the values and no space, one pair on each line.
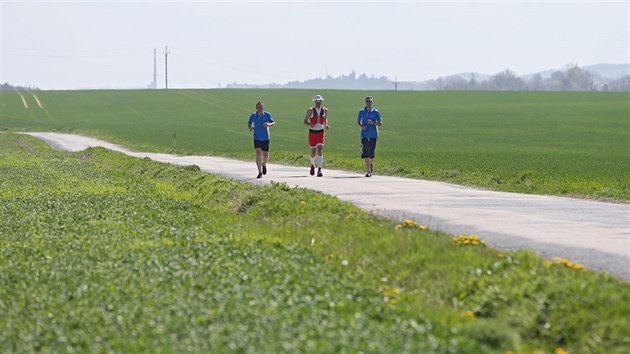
[259,122]
[369,120]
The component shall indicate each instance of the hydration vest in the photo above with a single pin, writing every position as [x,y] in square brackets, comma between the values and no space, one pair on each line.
[321,118]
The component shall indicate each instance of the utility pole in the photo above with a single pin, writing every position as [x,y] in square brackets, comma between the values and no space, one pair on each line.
[166,66]
[396,83]
[154,68]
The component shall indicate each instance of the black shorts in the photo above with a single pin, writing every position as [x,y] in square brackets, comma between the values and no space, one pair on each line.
[368,147]
[261,144]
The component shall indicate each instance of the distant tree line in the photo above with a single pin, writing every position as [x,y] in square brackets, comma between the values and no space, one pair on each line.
[573,78]
[351,81]
[6,86]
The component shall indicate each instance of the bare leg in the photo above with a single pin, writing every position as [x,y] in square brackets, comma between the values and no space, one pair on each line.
[259,159]
[265,158]
[368,166]
[313,149]
[320,155]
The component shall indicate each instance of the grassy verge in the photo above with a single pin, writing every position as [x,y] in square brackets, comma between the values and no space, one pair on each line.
[103,252]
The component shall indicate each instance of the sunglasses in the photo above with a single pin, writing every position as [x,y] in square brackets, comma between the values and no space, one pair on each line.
[368,101]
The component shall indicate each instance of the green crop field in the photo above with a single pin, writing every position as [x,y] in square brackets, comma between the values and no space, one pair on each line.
[101,252]
[575,144]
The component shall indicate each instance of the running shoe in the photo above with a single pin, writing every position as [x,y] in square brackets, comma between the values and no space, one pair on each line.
[264,169]
[259,175]
[319,172]
[312,170]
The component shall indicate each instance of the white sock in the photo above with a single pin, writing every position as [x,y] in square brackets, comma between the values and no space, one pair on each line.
[320,161]
[313,161]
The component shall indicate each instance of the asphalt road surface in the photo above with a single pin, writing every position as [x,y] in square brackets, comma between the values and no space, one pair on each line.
[596,234]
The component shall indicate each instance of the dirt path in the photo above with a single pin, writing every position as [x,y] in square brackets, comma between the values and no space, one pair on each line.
[23,99]
[39,103]
[594,233]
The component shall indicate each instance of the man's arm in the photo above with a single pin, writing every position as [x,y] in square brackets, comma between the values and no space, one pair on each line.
[269,121]
[309,112]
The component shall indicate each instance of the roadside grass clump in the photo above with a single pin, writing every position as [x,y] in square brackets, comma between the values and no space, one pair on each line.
[103,252]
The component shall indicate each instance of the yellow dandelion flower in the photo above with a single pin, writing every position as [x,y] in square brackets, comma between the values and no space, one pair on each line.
[560,351]
[565,262]
[396,291]
[392,301]
[399,226]
[547,263]
[302,202]
[422,227]
[409,222]
[470,314]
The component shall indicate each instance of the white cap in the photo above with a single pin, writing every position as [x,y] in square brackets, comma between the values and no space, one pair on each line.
[318,98]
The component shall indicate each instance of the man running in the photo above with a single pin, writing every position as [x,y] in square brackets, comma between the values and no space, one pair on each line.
[317,120]
[369,120]
[261,121]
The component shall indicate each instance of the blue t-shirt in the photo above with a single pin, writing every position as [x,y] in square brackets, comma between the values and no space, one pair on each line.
[372,129]
[260,131]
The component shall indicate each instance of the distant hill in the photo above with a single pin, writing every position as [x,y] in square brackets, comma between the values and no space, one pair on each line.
[609,71]
[601,77]
[606,71]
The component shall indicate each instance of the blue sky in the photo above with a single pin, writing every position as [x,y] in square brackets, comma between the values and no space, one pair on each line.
[109,44]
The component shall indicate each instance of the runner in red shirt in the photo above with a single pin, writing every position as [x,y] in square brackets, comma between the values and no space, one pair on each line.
[317,120]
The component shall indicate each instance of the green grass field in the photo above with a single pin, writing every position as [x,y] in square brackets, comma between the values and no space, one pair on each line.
[101,252]
[574,144]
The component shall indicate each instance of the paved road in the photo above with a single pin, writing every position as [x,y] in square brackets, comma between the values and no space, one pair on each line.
[594,233]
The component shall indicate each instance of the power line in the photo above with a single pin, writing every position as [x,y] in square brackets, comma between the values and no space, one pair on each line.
[70,56]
